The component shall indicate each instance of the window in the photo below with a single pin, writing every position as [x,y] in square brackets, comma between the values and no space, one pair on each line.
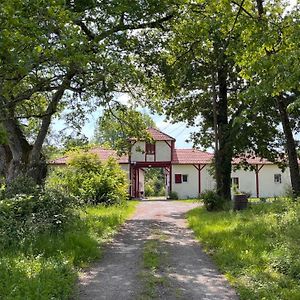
[150,148]
[277,178]
[178,178]
[235,182]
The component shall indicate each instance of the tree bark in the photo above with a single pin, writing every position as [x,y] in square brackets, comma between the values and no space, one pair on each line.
[5,158]
[290,145]
[224,153]
[26,159]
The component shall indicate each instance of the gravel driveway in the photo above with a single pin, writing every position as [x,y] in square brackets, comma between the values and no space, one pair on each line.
[190,273]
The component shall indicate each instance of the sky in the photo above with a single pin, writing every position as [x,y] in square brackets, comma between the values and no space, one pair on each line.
[178,130]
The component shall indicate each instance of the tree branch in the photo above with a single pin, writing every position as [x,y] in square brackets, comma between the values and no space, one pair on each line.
[49,112]
[243,9]
[121,27]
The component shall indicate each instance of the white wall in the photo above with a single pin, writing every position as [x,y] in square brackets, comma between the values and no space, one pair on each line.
[187,189]
[247,181]
[267,186]
[207,180]
[138,151]
[163,151]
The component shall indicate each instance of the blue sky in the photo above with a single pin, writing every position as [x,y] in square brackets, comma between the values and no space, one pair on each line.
[178,130]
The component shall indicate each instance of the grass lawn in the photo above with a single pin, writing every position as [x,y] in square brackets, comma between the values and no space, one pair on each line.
[47,267]
[258,250]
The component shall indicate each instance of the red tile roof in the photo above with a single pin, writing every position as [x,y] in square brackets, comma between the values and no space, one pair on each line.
[191,156]
[157,135]
[253,160]
[103,155]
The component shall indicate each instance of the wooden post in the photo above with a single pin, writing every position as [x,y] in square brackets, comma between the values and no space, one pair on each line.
[257,169]
[199,168]
[170,178]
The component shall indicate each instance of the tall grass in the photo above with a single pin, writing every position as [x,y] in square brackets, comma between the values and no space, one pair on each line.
[46,267]
[257,249]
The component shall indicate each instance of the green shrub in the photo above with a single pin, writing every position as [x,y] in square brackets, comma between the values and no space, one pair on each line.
[212,201]
[173,195]
[149,190]
[20,185]
[24,216]
[85,177]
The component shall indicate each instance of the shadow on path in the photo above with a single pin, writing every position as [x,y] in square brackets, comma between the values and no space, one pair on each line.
[190,272]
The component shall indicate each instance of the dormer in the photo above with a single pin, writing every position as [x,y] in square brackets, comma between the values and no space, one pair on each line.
[160,149]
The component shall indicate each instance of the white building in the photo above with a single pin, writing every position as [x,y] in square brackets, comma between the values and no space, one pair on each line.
[188,171]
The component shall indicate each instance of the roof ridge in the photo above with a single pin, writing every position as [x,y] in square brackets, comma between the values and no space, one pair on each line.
[193,149]
[161,132]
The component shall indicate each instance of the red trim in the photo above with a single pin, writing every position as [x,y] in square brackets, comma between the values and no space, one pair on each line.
[130,175]
[172,150]
[138,184]
[170,178]
[149,164]
[152,154]
[199,168]
[199,179]
[168,144]
[178,178]
[257,169]
[133,184]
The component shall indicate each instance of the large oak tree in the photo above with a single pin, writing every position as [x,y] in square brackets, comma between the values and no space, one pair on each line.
[57,55]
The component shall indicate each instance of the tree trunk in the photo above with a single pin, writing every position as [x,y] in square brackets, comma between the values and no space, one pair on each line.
[26,159]
[223,154]
[290,145]
[17,161]
[5,158]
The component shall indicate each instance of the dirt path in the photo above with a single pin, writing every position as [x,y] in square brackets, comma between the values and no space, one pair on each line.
[188,273]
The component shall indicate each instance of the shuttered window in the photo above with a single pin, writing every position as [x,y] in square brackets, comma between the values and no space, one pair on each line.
[150,148]
[178,178]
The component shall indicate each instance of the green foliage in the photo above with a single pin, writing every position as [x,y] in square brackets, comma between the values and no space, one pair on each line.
[86,178]
[31,277]
[154,182]
[173,195]
[154,263]
[212,201]
[116,126]
[257,249]
[24,216]
[20,185]
[70,142]
[47,267]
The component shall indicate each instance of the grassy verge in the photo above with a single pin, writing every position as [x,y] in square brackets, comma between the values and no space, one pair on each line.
[195,200]
[154,260]
[257,249]
[47,267]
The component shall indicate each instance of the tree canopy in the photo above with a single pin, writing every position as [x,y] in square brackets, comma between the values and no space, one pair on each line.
[63,55]
[119,124]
